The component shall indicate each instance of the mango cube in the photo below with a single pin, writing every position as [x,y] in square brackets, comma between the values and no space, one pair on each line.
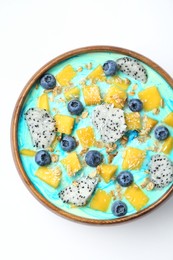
[101,200]
[71,163]
[121,83]
[133,121]
[150,98]
[149,123]
[169,119]
[116,96]
[91,95]
[27,152]
[107,171]
[64,123]
[43,102]
[86,136]
[133,159]
[66,75]
[49,175]
[137,198]
[167,145]
[71,93]
[97,74]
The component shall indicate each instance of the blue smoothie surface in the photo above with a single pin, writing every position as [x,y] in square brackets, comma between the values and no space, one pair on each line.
[24,138]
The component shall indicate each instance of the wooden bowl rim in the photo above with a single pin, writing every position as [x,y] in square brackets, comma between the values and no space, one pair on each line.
[14,126]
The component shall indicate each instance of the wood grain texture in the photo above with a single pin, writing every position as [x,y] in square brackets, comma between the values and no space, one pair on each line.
[14,127]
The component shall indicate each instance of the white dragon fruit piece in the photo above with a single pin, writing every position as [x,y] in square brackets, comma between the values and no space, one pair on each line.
[132,68]
[41,126]
[110,122]
[160,170]
[80,191]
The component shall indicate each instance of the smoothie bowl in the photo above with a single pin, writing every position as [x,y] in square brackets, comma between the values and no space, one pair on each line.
[92,135]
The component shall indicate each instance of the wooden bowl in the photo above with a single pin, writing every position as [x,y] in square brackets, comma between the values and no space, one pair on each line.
[14,126]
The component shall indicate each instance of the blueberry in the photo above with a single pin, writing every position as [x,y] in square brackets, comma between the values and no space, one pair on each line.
[93,158]
[42,158]
[132,135]
[135,105]
[75,107]
[125,178]
[48,81]
[161,132]
[119,208]
[110,68]
[68,143]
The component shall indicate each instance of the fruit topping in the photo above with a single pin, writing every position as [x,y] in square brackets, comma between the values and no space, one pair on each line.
[75,107]
[91,95]
[79,192]
[119,208]
[107,171]
[133,68]
[169,119]
[43,102]
[64,123]
[68,143]
[161,132]
[133,121]
[133,158]
[137,198]
[86,136]
[41,126]
[101,200]
[42,158]
[135,105]
[93,158]
[167,145]
[71,163]
[48,81]
[160,170]
[65,76]
[52,176]
[110,122]
[125,178]
[110,68]
[116,96]
[150,98]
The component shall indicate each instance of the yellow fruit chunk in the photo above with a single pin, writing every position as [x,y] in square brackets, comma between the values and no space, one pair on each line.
[116,96]
[137,198]
[71,163]
[107,171]
[133,121]
[86,136]
[43,102]
[91,95]
[27,152]
[49,175]
[169,119]
[101,200]
[66,75]
[121,83]
[133,158]
[167,145]
[71,93]
[150,98]
[64,123]
[97,74]
[149,123]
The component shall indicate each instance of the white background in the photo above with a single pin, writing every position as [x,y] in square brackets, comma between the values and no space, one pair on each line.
[32,33]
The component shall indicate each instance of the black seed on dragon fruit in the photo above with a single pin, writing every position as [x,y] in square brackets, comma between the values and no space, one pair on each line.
[43,132]
[79,192]
[160,170]
[110,122]
[133,68]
